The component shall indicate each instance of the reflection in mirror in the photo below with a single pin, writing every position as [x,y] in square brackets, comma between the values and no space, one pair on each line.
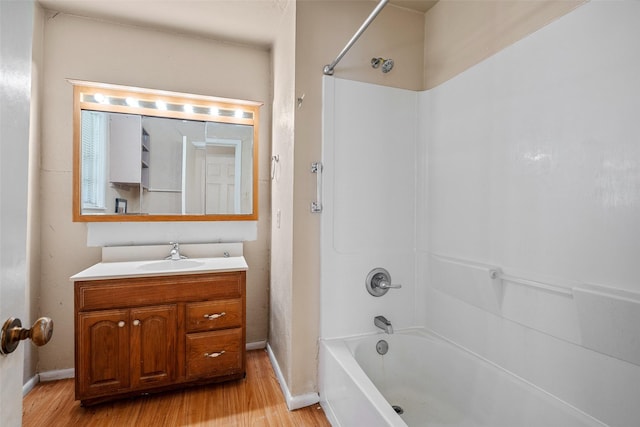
[145,157]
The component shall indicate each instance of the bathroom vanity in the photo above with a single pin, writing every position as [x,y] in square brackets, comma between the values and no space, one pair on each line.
[142,327]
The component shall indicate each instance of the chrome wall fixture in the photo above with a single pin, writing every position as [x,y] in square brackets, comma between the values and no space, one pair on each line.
[387,64]
[328,69]
[275,159]
[316,207]
[378,282]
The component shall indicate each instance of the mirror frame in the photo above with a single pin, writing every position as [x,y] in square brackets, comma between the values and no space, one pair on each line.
[84,99]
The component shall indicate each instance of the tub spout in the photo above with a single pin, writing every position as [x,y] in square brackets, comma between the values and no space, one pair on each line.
[382,323]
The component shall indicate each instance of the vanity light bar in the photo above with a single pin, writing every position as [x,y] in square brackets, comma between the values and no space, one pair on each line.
[99,98]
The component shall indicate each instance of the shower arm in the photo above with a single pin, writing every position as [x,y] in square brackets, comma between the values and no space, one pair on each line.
[328,69]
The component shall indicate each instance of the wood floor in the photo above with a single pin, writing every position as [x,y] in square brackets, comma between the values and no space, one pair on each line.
[255,401]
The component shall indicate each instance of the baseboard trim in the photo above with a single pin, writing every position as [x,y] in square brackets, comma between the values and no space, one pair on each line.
[30,384]
[256,345]
[58,374]
[293,402]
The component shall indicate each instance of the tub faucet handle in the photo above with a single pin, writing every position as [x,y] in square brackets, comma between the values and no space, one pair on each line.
[384,284]
[378,282]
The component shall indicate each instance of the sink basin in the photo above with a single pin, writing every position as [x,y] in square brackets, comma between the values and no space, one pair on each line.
[111,270]
[168,264]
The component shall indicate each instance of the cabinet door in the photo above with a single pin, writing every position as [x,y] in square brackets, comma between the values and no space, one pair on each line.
[153,345]
[103,352]
[125,133]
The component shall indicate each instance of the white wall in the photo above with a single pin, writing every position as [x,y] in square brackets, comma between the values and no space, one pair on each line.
[534,167]
[369,156]
[529,164]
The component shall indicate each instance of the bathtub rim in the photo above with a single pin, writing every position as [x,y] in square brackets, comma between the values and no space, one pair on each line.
[338,346]
[343,356]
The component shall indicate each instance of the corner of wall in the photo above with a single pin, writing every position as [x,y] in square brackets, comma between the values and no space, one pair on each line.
[32,288]
[459,35]
[293,402]
[281,181]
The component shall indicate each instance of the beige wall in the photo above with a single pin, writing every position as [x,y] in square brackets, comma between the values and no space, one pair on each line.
[280,320]
[32,296]
[323,29]
[99,51]
[460,34]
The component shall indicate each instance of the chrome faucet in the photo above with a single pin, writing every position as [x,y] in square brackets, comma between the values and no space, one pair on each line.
[174,254]
[382,323]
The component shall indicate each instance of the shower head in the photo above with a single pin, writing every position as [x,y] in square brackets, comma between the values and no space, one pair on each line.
[387,64]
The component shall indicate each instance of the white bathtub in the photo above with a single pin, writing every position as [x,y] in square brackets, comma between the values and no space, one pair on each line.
[434,382]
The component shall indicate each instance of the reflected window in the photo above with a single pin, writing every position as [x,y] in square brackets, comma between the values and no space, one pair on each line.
[94,138]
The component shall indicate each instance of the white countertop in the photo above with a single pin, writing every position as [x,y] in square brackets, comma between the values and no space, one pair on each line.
[112,270]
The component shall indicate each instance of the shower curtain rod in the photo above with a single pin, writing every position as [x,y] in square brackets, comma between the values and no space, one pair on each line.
[328,69]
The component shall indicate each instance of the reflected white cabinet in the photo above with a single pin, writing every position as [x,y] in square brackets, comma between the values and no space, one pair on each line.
[128,150]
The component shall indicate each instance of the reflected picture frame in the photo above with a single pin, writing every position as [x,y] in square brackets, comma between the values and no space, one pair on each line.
[121,206]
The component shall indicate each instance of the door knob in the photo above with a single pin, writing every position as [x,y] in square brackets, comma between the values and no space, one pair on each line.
[13,332]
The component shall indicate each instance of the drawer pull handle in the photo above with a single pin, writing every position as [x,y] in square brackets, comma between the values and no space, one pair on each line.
[121,324]
[136,322]
[214,354]
[214,316]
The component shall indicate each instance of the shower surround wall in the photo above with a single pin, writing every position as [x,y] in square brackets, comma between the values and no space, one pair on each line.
[528,162]
[534,167]
[369,154]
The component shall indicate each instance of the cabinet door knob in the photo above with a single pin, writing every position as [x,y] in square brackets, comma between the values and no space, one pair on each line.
[121,324]
[214,354]
[136,322]
[214,316]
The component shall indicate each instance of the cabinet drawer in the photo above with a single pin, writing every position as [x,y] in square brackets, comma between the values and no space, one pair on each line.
[210,315]
[143,291]
[214,353]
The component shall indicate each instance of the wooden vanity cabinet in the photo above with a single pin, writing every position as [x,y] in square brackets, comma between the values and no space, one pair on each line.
[143,334]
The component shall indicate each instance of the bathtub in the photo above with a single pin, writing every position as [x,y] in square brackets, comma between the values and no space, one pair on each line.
[433,383]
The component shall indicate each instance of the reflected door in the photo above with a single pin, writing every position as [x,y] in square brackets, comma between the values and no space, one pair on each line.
[211,177]
[221,178]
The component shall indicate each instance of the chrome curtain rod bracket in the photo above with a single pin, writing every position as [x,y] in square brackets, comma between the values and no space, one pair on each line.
[328,69]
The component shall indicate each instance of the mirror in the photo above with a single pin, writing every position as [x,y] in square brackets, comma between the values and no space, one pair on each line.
[146,155]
